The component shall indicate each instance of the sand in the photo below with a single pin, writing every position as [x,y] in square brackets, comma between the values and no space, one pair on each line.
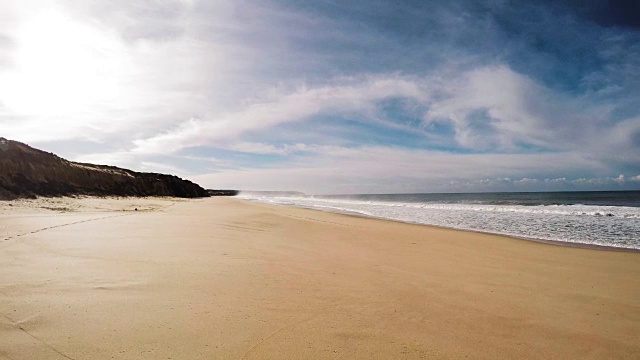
[223,278]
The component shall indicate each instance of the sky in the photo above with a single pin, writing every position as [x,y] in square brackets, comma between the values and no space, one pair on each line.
[332,97]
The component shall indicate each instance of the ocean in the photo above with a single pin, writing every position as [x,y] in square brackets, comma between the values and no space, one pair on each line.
[596,218]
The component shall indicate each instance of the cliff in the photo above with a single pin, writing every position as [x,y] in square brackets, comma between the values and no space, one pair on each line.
[28,172]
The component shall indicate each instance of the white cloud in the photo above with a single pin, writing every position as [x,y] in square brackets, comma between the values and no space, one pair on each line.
[267,149]
[105,70]
[497,107]
[355,96]
[150,166]
[155,77]
[338,169]
[491,109]
[117,158]
[518,110]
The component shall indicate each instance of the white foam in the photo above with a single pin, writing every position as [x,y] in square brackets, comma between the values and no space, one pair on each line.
[587,224]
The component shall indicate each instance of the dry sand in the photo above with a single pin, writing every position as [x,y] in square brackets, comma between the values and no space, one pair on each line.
[228,279]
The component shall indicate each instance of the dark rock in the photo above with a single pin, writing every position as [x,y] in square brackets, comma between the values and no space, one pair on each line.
[212,192]
[26,172]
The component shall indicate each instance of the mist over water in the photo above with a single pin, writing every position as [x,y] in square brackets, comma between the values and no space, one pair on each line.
[592,218]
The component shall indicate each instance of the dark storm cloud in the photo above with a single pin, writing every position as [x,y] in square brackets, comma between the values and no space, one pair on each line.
[609,13]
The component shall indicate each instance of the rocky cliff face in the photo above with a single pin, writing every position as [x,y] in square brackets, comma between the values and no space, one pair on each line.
[29,172]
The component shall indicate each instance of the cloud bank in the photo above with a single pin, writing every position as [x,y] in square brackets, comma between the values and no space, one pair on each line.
[361,97]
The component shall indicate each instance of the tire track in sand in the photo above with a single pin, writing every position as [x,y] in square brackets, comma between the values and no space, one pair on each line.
[63,225]
[49,346]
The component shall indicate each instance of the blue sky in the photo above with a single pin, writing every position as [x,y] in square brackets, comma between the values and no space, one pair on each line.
[332,96]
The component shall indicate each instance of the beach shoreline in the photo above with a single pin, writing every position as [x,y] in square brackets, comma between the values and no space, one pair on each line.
[542,241]
[228,278]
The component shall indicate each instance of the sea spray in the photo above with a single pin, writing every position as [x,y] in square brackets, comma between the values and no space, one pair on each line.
[591,218]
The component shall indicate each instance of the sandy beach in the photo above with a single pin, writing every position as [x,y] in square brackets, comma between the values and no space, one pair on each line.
[223,278]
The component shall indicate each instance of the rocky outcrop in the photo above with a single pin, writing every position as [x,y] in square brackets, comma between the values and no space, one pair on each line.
[215,192]
[29,172]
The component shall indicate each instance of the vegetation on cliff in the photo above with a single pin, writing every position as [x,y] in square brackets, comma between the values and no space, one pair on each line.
[26,172]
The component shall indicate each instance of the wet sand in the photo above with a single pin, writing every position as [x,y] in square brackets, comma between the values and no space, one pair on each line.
[223,278]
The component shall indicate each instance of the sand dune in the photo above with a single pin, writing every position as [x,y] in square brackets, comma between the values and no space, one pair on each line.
[223,278]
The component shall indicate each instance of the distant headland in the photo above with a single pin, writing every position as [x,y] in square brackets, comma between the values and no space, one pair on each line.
[26,172]
[214,192]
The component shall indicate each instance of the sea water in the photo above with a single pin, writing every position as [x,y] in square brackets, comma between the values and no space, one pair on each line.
[592,218]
